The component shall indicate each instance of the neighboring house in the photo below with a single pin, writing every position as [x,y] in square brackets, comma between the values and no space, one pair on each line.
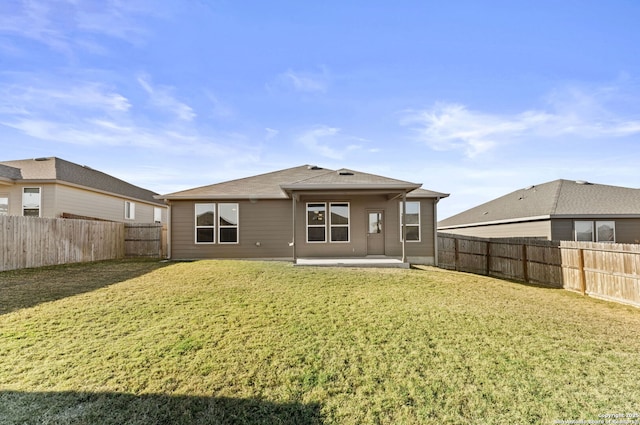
[557,210]
[54,188]
[305,211]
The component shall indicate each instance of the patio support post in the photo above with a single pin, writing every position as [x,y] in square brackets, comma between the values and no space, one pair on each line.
[293,242]
[404,226]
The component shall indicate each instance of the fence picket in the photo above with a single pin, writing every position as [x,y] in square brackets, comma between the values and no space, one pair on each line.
[603,270]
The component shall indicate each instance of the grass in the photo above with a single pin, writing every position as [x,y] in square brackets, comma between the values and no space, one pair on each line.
[264,342]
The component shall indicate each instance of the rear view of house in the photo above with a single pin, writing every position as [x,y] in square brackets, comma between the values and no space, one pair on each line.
[54,188]
[306,211]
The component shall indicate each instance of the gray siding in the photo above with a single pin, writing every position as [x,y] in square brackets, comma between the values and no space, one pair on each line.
[533,229]
[97,205]
[627,229]
[57,199]
[265,221]
[269,222]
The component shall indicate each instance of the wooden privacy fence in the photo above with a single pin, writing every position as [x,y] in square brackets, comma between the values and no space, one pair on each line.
[27,242]
[525,259]
[35,242]
[144,240]
[602,270]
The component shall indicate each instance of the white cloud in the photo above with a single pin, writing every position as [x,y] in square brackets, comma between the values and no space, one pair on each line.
[271,133]
[571,113]
[67,25]
[321,140]
[162,98]
[305,82]
[55,96]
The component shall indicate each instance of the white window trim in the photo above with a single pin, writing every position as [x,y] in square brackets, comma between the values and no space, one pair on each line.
[132,210]
[40,202]
[157,215]
[348,225]
[196,227]
[237,226]
[5,196]
[419,225]
[315,225]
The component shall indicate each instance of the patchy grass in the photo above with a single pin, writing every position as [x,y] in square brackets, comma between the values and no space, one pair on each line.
[264,342]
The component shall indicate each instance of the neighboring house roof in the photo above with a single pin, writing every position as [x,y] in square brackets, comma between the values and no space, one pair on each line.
[556,199]
[279,184]
[58,170]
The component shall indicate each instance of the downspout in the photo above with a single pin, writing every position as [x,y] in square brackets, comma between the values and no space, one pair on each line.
[435,232]
[169,230]
[404,227]
[293,243]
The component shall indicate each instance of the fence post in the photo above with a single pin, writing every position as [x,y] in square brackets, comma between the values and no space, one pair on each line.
[525,269]
[488,258]
[583,278]
[456,255]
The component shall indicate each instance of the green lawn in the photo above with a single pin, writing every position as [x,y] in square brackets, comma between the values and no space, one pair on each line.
[143,342]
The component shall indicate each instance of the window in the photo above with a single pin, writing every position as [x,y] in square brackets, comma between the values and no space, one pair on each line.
[412,215]
[605,231]
[205,223]
[228,223]
[31,202]
[583,231]
[129,210]
[339,222]
[157,215]
[4,204]
[316,222]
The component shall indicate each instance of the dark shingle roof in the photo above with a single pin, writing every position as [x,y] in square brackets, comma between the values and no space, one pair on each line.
[56,169]
[275,185]
[559,198]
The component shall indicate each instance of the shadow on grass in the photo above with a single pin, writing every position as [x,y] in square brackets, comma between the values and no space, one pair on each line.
[71,408]
[29,287]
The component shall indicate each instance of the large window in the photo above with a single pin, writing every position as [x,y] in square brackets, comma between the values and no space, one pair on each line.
[205,223]
[31,202]
[412,215]
[317,222]
[228,223]
[605,231]
[339,222]
[4,204]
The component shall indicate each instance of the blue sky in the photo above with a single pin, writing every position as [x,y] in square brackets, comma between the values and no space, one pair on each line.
[472,98]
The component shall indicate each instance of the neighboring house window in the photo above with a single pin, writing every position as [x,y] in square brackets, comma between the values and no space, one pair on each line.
[605,231]
[157,215]
[129,210]
[4,204]
[31,202]
[228,223]
[317,222]
[339,213]
[412,215]
[205,223]
[583,231]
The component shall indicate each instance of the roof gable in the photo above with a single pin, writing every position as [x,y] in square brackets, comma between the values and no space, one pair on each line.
[553,199]
[275,185]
